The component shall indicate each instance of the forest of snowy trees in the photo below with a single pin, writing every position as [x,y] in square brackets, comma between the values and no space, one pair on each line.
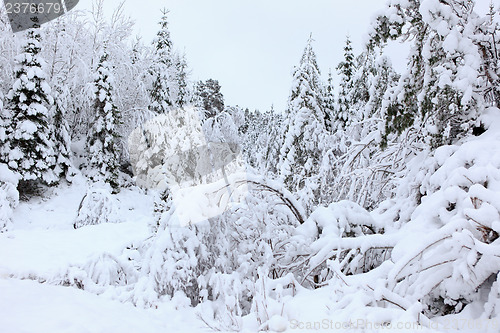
[377,188]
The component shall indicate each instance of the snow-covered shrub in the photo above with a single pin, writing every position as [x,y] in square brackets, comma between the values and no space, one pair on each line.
[176,258]
[223,127]
[104,273]
[345,233]
[449,248]
[269,300]
[9,196]
[97,206]
[203,259]
[107,269]
[259,243]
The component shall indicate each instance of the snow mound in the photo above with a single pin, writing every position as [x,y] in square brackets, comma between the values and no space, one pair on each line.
[97,206]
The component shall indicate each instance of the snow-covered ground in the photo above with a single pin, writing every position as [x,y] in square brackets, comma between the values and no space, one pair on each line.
[42,244]
[28,306]
[43,240]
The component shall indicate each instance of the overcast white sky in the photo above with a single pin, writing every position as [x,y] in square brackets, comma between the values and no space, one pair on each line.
[252,46]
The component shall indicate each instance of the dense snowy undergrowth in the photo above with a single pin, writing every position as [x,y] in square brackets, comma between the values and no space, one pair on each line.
[425,260]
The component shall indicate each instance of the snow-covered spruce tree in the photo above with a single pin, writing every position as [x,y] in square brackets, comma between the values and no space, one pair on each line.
[262,139]
[442,92]
[254,138]
[60,132]
[27,146]
[345,70]
[181,74]
[345,127]
[305,136]
[208,96]
[361,172]
[329,104]
[361,86]
[102,141]
[164,90]
[364,71]
[272,142]
[382,80]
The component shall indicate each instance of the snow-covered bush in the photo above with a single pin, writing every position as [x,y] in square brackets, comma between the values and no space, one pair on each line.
[174,259]
[449,248]
[107,269]
[346,233]
[97,206]
[203,259]
[258,243]
[104,273]
[9,196]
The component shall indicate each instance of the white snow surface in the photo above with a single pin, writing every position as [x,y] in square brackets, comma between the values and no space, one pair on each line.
[28,306]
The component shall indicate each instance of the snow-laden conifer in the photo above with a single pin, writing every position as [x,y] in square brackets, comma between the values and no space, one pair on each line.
[102,141]
[163,69]
[305,134]
[28,147]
